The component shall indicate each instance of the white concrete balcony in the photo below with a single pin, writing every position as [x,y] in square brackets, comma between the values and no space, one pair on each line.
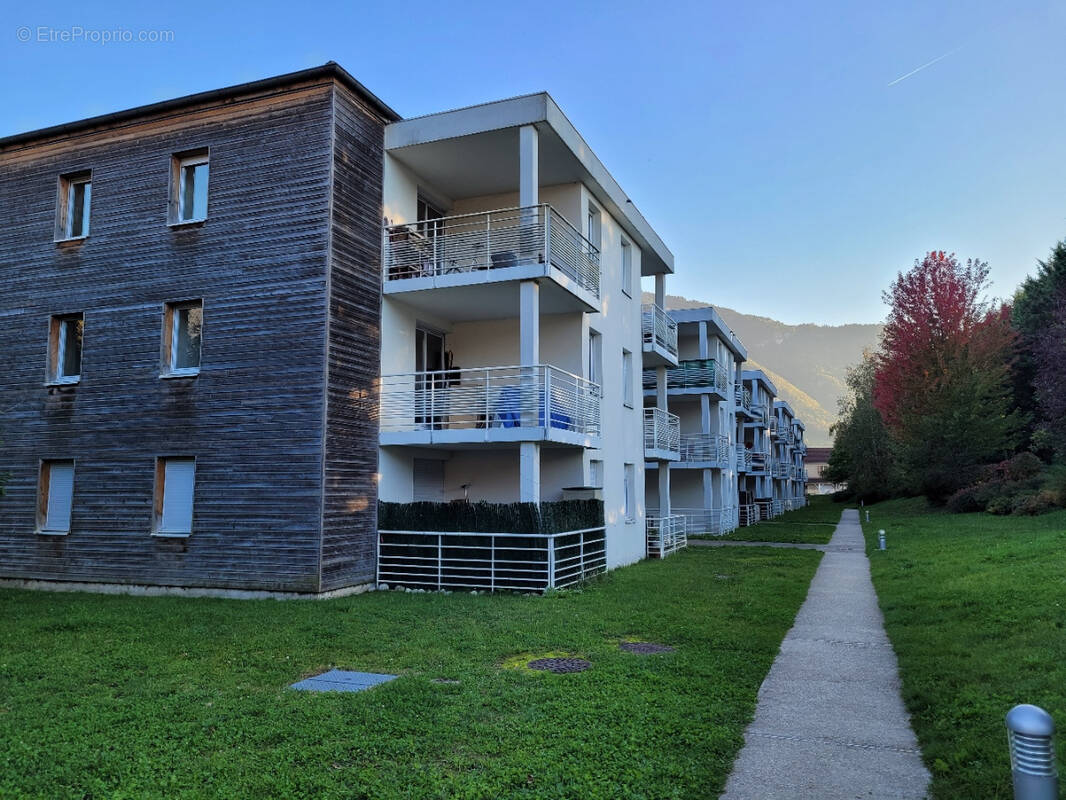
[659,333]
[696,377]
[780,470]
[704,450]
[744,460]
[759,463]
[465,266]
[489,405]
[662,435]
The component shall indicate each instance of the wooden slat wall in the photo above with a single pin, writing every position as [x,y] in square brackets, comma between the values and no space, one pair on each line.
[254,417]
[349,532]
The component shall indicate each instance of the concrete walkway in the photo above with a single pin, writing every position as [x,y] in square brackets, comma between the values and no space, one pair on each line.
[830,722]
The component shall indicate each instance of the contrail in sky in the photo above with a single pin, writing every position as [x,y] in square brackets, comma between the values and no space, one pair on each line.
[923,66]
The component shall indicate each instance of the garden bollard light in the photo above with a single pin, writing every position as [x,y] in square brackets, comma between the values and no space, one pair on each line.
[1032,753]
[881,540]
[867,515]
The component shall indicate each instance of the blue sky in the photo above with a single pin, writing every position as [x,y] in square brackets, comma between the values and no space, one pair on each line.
[762,140]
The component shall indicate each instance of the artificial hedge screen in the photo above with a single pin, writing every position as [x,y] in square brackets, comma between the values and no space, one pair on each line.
[554,517]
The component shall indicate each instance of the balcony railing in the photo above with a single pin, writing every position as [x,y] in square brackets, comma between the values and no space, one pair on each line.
[742,396]
[704,447]
[697,374]
[747,514]
[662,431]
[666,535]
[744,460]
[493,561]
[658,328]
[758,461]
[780,470]
[765,509]
[708,521]
[488,240]
[536,396]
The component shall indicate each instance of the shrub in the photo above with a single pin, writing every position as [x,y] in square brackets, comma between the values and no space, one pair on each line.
[1022,467]
[968,500]
[1036,503]
[1000,505]
[554,517]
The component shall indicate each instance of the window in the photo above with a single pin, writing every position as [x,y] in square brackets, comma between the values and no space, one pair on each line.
[629,483]
[189,176]
[183,325]
[55,492]
[72,205]
[64,348]
[596,358]
[596,473]
[592,228]
[627,268]
[627,378]
[174,479]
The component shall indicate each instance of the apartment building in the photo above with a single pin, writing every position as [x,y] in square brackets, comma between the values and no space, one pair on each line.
[512,329]
[705,392]
[236,321]
[797,469]
[783,439]
[755,486]
[189,339]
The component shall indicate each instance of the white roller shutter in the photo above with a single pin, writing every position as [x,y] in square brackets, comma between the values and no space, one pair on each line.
[60,496]
[429,480]
[178,479]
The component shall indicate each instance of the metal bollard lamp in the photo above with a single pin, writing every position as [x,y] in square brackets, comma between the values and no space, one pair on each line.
[1032,753]
[881,540]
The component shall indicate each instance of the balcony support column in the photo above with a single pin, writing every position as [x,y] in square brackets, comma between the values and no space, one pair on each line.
[706,419]
[664,488]
[529,354]
[708,489]
[704,348]
[660,387]
[528,166]
[660,290]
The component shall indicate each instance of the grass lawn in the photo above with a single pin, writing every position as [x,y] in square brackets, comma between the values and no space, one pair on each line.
[812,524]
[113,696]
[975,606]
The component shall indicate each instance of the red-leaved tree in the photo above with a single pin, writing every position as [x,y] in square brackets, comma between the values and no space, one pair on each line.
[942,381]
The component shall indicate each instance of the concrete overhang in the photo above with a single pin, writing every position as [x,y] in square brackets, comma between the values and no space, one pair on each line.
[474,151]
[758,376]
[715,324]
[784,404]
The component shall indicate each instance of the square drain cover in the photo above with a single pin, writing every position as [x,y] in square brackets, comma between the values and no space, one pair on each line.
[339,680]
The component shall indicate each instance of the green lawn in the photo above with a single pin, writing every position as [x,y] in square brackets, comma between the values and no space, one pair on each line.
[975,606]
[121,697]
[812,524]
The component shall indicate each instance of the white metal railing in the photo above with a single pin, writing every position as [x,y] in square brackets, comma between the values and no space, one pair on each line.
[759,461]
[486,240]
[748,514]
[699,374]
[742,396]
[666,535]
[658,328]
[662,430]
[493,561]
[765,509]
[705,447]
[744,460]
[780,470]
[707,521]
[536,396]
[778,508]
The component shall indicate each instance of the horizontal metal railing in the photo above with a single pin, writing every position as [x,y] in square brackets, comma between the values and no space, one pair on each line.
[742,397]
[488,240]
[744,460]
[765,509]
[705,521]
[666,535]
[705,447]
[444,560]
[535,396]
[747,514]
[780,470]
[759,461]
[698,374]
[662,430]
[658,328]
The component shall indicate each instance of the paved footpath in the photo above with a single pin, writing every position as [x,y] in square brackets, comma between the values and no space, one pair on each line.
[830,722]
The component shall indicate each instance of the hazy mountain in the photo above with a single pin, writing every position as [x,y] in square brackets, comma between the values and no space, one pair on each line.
[806,362]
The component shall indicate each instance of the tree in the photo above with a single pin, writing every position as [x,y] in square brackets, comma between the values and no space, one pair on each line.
[862,455]
[1048,355]
[1036,309]
[942,383]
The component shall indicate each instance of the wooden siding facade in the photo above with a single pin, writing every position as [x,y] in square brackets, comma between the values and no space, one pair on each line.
[280,418]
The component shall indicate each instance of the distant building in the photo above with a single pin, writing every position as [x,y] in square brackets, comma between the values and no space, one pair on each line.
[815,462]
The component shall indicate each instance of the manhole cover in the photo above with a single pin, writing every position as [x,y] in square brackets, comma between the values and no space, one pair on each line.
[559,665]
[444,680]
[645,648]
